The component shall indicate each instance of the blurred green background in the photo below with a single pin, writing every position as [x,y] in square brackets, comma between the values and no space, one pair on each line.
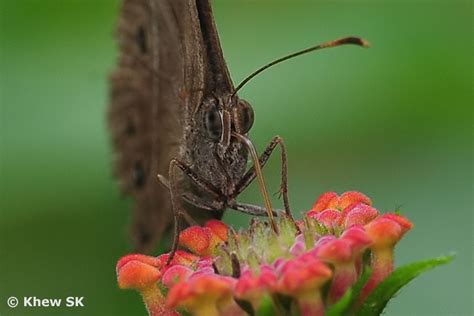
[393,121]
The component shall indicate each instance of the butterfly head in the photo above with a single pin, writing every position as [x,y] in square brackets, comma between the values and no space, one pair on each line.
[222,117]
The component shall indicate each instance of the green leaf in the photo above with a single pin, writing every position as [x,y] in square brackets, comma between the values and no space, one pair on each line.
[266,307]
[378,299]
[341,307]
[357,287]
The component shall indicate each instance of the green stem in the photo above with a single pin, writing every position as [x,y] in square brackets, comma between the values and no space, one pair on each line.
[382,266]
[155,302]
[311,303]
[206,308]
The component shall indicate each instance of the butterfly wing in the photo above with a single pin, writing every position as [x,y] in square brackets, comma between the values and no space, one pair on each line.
[160,64]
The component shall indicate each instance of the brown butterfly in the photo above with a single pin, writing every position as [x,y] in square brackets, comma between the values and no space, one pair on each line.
[174,112]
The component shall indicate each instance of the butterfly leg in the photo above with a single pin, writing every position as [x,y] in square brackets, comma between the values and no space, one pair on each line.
[248,208]
[205,205]
[178,211]
[250,174]
[194,200]
[199,181]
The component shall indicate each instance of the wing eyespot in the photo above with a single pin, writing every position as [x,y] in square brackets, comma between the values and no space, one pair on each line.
[138,175]
[141,40]
[130,129]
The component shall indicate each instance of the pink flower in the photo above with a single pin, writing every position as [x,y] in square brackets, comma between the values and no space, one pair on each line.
[175,274]
[251,286]
[384,232]
[303,278]
[203,294]
[331,218]
[344,254]
[227,273]
[180,257]
[337,212]
[358,214]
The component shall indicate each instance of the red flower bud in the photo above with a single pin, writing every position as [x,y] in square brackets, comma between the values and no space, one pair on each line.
[358,214]
[325,200]
[196,239]
[332,200]
[330,217]
[352,197]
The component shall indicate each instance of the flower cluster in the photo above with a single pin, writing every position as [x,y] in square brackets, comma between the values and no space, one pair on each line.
[305,268]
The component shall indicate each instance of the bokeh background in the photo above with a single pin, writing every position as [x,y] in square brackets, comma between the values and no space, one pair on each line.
[393,121]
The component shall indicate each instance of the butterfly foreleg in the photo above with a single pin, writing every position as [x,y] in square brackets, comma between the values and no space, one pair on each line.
[177,208]
[190,198]
[203,204]
[249,208]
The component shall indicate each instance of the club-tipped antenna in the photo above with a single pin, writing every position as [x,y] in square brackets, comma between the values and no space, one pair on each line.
[342,41]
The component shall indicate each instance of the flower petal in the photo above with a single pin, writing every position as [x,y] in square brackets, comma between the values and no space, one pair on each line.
[324,201]
[358,214]
[218,228]
[351,197]
[137,275]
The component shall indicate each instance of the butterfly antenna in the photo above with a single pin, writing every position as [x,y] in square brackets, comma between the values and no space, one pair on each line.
[261,181]
[342,41]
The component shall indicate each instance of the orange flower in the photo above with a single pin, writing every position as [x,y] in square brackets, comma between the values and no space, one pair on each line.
[137,271]
[204,240]
[142,273]
[325,201]
[218,228]
[332,200]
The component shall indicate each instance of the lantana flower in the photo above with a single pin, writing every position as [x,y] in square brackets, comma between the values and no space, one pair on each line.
[303,278]
[303,271]
[203,294]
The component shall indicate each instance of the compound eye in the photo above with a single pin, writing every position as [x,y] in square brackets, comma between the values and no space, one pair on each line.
[213,124]
[244,116]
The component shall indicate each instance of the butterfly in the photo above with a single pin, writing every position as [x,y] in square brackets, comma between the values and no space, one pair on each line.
[175,113]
